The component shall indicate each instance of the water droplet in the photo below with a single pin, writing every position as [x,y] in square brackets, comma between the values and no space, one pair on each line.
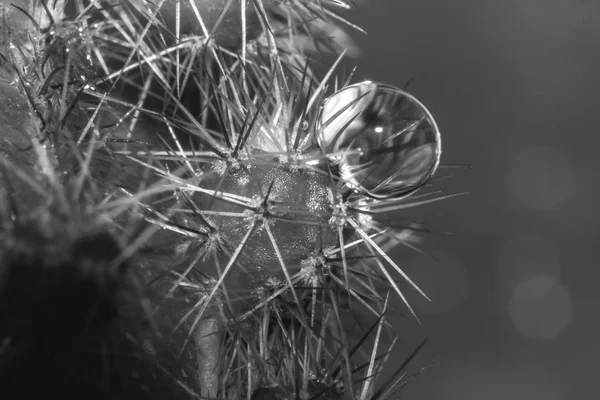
[304,125]
[385,142]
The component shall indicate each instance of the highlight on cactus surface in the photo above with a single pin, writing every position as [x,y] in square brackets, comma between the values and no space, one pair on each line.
[188,211]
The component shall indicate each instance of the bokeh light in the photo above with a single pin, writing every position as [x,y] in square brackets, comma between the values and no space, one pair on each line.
[540,178]
[525,256]
[540,307]
[527,80]
[522,380]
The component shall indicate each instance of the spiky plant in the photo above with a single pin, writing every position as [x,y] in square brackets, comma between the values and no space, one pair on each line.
[189,211]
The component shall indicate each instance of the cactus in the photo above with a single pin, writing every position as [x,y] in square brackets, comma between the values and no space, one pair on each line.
[189,211]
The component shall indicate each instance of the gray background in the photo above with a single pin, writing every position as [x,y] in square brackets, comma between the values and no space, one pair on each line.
[513,85]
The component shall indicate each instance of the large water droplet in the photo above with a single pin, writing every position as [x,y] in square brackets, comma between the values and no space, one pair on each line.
[385,142]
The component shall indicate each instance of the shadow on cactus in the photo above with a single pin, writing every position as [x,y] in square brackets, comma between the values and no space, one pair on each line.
[245,200]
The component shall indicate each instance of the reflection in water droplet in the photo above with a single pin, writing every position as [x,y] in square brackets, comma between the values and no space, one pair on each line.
[386,143]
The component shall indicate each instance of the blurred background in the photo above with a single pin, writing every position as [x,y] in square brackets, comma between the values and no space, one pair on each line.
[513,85]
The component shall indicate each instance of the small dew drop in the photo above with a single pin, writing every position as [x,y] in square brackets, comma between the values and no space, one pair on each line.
[385,141]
